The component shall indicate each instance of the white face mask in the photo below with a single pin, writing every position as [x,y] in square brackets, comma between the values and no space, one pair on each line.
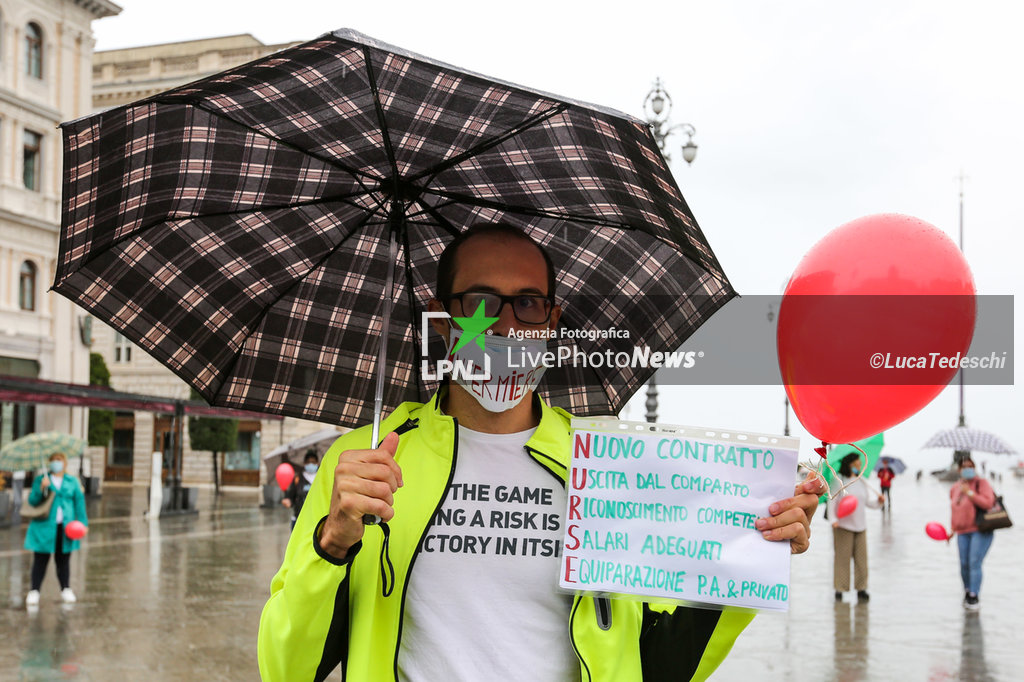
[508,385]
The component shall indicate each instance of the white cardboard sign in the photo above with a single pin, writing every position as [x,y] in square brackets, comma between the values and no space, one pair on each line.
[668,512]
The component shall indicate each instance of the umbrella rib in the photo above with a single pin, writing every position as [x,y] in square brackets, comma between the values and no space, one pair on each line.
[441,220]
[489,144]
[357,174]
[528,211]
[381,120]
[341,198]
[258,320]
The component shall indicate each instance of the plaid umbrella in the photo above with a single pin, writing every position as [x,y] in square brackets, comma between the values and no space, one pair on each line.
[31,451]
[256,231]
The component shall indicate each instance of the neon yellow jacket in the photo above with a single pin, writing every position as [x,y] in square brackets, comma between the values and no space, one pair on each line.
[323,612]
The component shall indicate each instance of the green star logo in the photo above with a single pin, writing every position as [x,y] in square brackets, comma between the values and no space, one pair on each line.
[473,327]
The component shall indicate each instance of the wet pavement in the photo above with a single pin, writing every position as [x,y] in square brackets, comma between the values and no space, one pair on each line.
[180,599]
[175,600]
[914,626]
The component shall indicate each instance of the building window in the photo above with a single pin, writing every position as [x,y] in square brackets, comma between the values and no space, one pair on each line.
[122,448]
[34,50]
[32,155]
[27,286]
[122,348]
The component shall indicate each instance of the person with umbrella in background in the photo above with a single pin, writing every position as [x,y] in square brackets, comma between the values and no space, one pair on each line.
[46,535]
[469,610]
[967,496]
[849,533]
[885,476]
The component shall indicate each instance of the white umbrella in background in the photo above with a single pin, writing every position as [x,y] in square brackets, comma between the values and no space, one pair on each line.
[970,440]
[319,441]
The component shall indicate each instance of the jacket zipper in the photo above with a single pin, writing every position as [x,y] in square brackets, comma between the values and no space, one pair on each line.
[602,605]
[419,545]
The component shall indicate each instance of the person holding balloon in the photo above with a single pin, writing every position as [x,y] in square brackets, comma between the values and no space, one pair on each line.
[298,489]
[969,494]
[849,530]
[58,532]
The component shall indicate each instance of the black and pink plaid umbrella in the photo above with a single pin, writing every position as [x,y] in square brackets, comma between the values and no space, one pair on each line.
[243,229]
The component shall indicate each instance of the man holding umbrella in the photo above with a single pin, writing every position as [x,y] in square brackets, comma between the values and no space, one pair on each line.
[442,480]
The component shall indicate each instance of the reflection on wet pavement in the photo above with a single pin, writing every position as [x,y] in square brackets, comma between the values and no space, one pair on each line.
[180,599]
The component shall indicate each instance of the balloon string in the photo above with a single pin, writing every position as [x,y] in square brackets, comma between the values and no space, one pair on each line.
[823,450]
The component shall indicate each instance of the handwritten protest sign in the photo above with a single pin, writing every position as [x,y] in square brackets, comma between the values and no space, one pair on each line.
[668,512]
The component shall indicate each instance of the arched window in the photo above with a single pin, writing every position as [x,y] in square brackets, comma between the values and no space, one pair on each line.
[27,286]
[34,50]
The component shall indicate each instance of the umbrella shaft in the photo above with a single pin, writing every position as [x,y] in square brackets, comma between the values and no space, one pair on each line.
[382,353]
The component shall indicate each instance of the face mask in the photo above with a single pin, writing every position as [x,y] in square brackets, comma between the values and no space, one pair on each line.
[854,471]
[56,466]
[967,473]
[515,369]
[310,468]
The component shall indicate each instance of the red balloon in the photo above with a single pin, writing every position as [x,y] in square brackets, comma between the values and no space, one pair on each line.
[860,319]
[284,475]
[936,531]
[75,530]
[846,506]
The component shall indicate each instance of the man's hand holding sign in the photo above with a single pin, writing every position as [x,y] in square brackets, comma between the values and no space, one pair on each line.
[678,513]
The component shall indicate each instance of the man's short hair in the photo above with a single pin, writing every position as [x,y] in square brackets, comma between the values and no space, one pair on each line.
[446,266]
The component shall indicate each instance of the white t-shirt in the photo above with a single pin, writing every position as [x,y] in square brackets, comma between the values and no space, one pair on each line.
[483,602]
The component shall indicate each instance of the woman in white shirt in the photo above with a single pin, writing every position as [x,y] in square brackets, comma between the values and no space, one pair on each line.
[850,532]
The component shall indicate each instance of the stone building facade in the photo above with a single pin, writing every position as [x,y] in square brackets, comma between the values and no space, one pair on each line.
[46,49]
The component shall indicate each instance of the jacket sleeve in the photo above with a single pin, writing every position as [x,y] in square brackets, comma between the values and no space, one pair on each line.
[303,633]
[984,496]
[290,492]
[35,498]
[870,497]
[680,643]
[80,514]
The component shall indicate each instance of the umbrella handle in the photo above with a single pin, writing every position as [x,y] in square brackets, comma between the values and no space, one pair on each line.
[382,352]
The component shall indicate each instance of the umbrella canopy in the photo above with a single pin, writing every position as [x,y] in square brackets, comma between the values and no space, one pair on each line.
[243,229]
[897,465]
[31,451]
[872,447]
[970,440]
[319,441]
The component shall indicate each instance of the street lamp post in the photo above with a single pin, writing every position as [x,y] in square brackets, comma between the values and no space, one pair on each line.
[658,112]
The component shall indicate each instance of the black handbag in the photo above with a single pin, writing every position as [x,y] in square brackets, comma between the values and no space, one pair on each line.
[994,518]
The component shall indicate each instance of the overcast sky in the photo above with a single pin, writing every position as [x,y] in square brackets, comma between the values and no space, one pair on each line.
[808,115]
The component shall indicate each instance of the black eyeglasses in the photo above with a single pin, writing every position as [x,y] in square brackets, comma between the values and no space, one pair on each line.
[527,308]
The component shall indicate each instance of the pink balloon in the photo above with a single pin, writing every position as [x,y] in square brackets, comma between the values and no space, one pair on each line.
[75,530]
[846,506]
[936,531]
[284,475]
